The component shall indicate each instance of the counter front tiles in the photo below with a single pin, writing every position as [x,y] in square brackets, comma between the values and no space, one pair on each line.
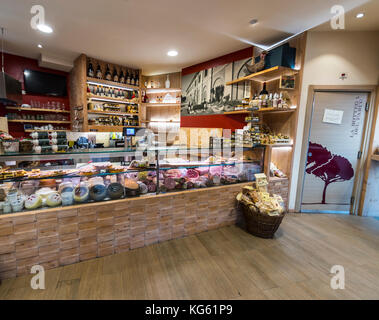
[66,235]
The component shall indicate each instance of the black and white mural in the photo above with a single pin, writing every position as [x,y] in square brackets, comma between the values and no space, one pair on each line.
[206,92]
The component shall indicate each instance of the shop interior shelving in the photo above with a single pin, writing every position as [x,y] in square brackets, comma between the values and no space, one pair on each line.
[161,115]
[37,109]
[266,75]
[39,121]
[282,121]
[80,97]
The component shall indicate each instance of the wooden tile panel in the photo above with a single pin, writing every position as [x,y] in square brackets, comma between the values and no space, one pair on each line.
[57,237]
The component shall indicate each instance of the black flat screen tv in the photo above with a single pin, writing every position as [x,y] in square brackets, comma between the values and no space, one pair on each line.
[42,83]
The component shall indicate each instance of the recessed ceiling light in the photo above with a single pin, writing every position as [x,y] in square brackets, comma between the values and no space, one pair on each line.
[40,46]
[253,22]
[172,53]
[360,15]
[44,28]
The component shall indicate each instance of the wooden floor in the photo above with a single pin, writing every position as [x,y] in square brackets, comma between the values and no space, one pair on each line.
[228,263]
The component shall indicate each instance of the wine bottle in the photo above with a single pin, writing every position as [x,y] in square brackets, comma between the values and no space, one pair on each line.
[137,79]
[127,77]
[264,90]
[132,79]
[115,75]
[122,77]
[108,75]
[99,74]
[145,98]
[90,71]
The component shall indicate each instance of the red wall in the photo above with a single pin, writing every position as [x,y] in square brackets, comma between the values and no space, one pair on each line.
[15,66]
[218,120]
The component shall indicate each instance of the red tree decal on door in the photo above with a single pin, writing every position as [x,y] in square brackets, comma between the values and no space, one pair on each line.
[328,167]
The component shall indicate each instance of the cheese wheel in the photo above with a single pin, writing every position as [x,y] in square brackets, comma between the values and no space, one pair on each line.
[115,190]
[81,193]
[54,199]
[33,202]
[98,192]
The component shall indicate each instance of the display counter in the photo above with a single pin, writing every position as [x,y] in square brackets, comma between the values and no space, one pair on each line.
[62,208]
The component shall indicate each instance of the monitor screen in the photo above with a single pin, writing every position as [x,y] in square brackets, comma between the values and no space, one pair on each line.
[130,132]
[42,83]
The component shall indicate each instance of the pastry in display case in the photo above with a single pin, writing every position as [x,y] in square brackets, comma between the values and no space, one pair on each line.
[96,175]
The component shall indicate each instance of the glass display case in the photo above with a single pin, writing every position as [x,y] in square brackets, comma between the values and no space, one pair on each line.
[35,181]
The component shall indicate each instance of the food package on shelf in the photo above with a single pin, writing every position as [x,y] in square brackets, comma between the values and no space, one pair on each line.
[276,172]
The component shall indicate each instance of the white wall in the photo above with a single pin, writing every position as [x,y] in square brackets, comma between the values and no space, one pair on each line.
[327,55]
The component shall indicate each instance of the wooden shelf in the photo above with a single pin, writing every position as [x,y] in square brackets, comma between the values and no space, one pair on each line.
[40,121]
[112,113]
[111,83]
[109,128]
[238,112]
[375,157]
[275,110]
[162,90]
[273,179]
[162,104]
[47,130]
[265,75]
[279,145]
[37,109]
[168,121]
[107,99]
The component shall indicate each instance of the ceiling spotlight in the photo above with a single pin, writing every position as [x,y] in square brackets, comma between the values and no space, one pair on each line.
[360,15]
[44,28]
[253,22]
[172,53]
[40,46]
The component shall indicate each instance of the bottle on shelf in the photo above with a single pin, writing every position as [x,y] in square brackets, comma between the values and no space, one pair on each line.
[115,75]
[90,71]
[280,102]
[145,98]
[108,75]
[264,90]
[137,79]
[275,100]
[167,82]
[99,73]
[132,79]
[122,76]
[127,77]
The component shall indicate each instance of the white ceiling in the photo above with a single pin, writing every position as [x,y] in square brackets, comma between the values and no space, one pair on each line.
[370,22]
[138,33]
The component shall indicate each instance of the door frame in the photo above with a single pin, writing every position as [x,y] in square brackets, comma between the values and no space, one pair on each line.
[355,208]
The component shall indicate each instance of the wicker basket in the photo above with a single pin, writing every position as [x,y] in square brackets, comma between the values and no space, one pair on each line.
[260,224]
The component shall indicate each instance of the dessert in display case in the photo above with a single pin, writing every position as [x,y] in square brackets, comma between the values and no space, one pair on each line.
[30,181]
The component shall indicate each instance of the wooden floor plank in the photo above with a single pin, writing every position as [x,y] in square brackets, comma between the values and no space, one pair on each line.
[228,263]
